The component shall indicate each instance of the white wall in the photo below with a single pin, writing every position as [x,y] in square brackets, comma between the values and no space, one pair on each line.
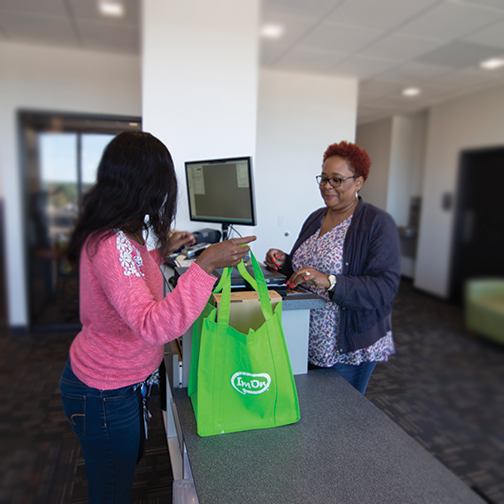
[469,122]
[376,139]
[50,79]
[200,73]
[299,115]
[400,175]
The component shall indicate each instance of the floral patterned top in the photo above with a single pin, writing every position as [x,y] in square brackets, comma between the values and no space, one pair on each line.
[325,254]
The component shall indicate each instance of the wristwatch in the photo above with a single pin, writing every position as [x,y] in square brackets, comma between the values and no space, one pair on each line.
[332,280]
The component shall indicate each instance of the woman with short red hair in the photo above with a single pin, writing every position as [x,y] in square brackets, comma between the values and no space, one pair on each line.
[348,253]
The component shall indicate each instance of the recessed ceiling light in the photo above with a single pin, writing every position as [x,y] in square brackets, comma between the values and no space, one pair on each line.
[412,91]
[111,8]
[272,31]
[492,64]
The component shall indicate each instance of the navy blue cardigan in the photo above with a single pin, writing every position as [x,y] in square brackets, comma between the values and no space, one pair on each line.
[371,274]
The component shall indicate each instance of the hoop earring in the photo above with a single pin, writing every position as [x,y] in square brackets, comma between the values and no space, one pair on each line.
[357,194]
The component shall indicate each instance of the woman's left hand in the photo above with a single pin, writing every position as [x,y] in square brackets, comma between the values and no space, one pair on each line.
[180,239]
[309,276]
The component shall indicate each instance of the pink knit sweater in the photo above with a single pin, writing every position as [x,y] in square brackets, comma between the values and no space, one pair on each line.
[125,319]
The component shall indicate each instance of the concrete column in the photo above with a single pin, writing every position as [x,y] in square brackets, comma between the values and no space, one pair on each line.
[200,80]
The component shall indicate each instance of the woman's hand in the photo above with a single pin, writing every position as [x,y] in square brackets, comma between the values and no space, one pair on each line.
[180,239]
[309,276]
[224,254]
[275,259]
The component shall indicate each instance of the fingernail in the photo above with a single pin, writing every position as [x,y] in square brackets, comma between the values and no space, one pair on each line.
[306,278]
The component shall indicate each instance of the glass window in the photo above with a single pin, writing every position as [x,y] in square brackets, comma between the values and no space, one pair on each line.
[93,146]
[59,185]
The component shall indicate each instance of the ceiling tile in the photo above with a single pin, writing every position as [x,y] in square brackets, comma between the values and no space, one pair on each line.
[88,10]
[491,36]
[38,29]
[413,73]
[371,89]
[45,7]
[495,4]
[339,37]
[428,94]
[362,67]
[270,52]
[295,27]
[400,47]
[311,9]
[495,73]
[458,55]
[450,20]
[459,79]
[383,14]
[308,60]
[97,36]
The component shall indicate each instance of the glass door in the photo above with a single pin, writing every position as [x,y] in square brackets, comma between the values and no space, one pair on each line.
[61,167]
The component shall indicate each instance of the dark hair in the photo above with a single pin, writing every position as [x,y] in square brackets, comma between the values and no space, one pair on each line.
[357,158]
[135,179]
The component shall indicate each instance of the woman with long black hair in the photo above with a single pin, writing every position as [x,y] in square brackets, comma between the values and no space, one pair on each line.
[125,318]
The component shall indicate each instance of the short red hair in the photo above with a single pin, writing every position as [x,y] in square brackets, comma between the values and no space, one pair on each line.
[358,159]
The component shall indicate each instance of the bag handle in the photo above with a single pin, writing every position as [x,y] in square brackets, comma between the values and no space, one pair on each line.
[226,274]
[258,284]
[246,275]
[261,288]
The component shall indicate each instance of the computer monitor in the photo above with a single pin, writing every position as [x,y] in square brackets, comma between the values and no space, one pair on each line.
[221,190]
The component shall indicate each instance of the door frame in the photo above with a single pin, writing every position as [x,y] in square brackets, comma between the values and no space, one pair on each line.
[456,277]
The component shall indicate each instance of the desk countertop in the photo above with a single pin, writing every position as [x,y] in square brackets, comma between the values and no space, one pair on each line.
[302,302]
[343,450]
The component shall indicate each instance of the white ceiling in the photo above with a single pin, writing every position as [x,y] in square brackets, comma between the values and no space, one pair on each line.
[435,45]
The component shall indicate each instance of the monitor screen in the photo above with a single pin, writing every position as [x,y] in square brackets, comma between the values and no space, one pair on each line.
[220,190]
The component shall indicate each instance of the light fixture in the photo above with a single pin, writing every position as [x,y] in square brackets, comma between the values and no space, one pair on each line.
[112,8]
[272,31]
[492,63]
[412,91]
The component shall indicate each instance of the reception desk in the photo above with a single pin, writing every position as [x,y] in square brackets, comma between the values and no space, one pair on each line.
[343,450]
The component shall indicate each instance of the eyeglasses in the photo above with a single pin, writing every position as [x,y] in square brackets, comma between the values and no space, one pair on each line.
[335,182]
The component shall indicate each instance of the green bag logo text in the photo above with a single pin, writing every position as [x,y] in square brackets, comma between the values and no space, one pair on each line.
[248,383]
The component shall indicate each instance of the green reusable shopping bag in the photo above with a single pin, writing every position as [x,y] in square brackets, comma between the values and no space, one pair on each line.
[241,381]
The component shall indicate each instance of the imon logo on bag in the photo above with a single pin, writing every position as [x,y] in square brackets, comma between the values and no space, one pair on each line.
[248,383]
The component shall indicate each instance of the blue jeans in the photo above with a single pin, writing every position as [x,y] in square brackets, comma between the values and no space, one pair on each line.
[358,376]
[109,426]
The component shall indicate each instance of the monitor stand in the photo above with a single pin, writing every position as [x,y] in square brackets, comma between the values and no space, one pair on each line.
[224,231]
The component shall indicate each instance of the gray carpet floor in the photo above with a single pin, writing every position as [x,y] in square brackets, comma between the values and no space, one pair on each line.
[443,388]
